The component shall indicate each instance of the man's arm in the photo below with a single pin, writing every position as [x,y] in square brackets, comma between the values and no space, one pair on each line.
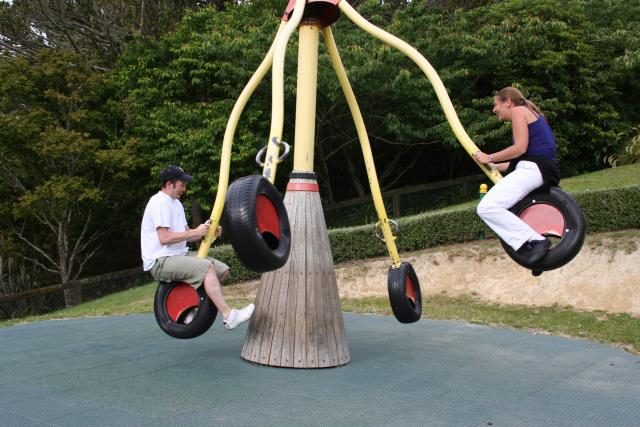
[169,237]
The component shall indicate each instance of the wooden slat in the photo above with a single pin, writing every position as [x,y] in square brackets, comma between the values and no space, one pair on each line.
[332,302]
[331,288]
[311,285]
[286,350]
[279,307]
[300,332]
[325,337]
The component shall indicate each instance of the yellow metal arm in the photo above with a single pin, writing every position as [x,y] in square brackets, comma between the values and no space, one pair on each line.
[277,92]
[433,77]
[225,160]
[364,143]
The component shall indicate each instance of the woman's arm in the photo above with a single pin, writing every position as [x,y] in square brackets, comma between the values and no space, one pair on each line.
[520,131]
[502,167]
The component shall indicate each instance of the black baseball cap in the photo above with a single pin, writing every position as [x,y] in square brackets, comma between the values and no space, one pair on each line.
[174,172]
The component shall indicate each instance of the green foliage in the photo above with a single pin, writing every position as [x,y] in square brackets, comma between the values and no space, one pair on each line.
[59,172]
[178,93]
[611,209]
[578,60]
[629,154]
[561,56]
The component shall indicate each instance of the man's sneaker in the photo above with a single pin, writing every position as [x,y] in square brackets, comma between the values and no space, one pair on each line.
[535,250]
[237,317]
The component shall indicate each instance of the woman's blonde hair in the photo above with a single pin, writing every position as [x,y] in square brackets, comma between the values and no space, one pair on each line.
[517,98]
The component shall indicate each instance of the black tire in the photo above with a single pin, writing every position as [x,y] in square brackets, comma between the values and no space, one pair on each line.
[554,206]
[404,293]
[257,224]
[183,312]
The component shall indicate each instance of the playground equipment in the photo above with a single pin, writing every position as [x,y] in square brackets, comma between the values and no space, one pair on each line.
[297,321]
[554,214]
[182,311]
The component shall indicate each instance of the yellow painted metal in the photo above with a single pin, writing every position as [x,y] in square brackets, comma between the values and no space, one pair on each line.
[225,159]
[450,113]
[306,97]
[277,92]
[376,194]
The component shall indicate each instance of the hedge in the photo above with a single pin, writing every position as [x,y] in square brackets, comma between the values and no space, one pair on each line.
[605,210]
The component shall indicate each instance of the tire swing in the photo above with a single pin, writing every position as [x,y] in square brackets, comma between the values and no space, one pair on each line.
[404,293]
[257,224]
[554,214]
[182,311]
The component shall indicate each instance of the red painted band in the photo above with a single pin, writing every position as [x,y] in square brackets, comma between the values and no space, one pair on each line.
[303,186]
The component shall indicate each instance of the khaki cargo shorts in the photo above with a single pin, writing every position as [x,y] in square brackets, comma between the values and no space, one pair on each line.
[185,268]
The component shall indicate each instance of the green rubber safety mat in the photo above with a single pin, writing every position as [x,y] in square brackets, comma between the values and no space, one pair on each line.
[124,371]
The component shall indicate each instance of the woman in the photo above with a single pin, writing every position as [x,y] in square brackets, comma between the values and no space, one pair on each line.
[530,163]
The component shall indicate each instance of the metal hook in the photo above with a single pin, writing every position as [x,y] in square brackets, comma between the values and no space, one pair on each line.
[395,229]
[263,150]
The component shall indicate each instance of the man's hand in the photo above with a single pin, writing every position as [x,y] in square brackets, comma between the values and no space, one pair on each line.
[218,230]
[202,230]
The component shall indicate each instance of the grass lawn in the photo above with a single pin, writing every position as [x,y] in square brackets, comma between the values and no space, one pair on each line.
[620,330]
[607,178]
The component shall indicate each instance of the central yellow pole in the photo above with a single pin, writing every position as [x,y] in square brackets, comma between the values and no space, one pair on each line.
[306,97]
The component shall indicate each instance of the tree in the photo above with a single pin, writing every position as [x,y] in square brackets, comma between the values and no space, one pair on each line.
[58,161]
[177,93]
[97,30]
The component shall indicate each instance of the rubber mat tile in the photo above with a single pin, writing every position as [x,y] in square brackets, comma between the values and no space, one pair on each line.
[363,408]
[164,381]
[13,420]
[449,410]
[211,366]
[109,393]
[163,405]
[570,409]
[611,374]
[48,407]
[210,395]
[10,393]
[105,416]
[241,416]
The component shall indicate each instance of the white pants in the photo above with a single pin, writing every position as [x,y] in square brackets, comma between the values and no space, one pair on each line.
[493,208]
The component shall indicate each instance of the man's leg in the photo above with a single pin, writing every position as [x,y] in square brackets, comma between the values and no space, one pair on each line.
[191,269]
[214,290]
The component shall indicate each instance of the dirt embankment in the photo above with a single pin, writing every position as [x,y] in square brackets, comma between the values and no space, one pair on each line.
[605,275]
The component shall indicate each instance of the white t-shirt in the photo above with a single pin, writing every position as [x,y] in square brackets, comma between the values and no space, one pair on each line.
[161,211]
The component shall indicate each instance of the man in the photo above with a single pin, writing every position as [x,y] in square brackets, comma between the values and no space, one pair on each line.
[163,240]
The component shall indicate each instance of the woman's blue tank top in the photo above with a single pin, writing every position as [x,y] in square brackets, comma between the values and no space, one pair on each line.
[542,143]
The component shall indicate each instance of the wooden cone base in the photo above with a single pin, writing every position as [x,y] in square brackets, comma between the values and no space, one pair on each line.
[297,321]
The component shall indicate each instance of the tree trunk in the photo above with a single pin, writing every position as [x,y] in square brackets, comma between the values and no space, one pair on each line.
[326,181]
[144,25]
[354,175]
[452,164]
[69,293]
[197,217]
[197,213]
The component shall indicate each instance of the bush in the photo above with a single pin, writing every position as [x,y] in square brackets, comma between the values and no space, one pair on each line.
[605,210]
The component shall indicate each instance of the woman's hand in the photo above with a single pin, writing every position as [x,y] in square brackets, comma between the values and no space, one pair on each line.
[483,157]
